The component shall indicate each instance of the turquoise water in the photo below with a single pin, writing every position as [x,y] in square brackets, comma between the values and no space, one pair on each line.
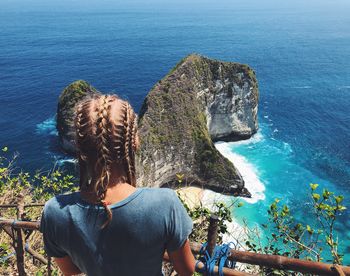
[271,170]
[300,52]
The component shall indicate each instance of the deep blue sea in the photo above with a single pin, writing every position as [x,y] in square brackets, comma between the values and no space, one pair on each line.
[301,56]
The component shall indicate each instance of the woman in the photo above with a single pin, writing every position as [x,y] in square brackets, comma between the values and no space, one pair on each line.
[111,227]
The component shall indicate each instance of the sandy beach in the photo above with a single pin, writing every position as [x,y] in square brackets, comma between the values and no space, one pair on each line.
[195,196]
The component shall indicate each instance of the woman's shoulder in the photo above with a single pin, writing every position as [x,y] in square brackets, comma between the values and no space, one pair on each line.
[160,196]
[60,202]
[163,193]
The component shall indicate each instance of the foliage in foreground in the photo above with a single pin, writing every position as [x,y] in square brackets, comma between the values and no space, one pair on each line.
[316,240]
[281,235]
[37,188]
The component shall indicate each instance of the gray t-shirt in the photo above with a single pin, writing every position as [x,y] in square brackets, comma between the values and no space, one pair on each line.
[143,225]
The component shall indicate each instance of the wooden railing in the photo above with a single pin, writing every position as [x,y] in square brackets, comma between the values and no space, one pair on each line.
[14,228]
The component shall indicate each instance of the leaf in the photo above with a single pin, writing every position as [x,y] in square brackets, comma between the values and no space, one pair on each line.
[329,241]
[285,209]
[273,206]
[316,197]
[313,186]
[298,226]
[5,149]
[339,199]
[180,177]
[308,228]
[326,194]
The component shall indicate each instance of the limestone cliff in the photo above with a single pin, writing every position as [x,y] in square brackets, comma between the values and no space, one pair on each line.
[200,100]
[68,100]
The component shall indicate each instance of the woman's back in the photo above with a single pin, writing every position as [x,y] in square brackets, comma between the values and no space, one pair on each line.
[85,233]
[143,225]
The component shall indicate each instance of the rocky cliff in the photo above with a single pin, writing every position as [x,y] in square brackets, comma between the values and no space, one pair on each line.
[199,101]
[68,100]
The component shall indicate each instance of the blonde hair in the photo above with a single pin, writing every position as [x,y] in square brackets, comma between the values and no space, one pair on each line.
[106,138]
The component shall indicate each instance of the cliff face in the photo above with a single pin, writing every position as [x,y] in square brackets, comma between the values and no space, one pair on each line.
[200,100]
[230,100]
[68,100]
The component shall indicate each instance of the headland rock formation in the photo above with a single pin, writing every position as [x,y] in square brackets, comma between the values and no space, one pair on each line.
[67,103]
[199,101]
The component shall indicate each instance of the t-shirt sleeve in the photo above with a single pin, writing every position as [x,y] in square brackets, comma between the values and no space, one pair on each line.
[180,225]
[49,230]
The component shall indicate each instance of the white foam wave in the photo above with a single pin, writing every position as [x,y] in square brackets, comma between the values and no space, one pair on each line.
[235,232]
[287,147]
[61,162]
[256,138]
[247,170]
[302,87]
[344,87]
[47,127]
[195,196]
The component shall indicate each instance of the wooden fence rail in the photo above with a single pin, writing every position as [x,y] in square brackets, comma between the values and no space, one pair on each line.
[271,261]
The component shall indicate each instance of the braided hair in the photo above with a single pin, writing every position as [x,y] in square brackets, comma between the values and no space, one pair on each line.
[106,138]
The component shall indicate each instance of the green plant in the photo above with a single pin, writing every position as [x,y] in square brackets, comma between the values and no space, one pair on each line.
[37,188]
[290,237]
[200,215]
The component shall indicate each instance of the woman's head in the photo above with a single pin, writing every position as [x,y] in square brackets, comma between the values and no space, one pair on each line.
[106,138]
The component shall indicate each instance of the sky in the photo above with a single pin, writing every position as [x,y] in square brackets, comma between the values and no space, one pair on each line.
[115,5]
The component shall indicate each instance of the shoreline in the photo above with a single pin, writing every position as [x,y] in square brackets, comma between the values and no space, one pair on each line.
[195,196]
[249,173]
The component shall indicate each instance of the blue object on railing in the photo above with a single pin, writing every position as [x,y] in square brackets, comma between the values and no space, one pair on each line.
[219,258]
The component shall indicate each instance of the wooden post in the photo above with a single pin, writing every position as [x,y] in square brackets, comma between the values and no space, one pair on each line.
[28,225]
[18,238]
[36,256]
[212,233]
[49,266]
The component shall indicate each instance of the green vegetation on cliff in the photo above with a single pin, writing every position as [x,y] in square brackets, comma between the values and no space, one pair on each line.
[68,100]
[173,124]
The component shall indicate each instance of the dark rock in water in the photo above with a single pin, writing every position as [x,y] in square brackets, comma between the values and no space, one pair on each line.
[199,101]
[69,98]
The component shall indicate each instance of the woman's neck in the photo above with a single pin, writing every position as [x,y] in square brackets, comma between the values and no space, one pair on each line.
[118,192]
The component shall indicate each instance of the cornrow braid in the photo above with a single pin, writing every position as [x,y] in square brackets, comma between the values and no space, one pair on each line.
[83,127]
[118,135]
[129,144]
[103,154]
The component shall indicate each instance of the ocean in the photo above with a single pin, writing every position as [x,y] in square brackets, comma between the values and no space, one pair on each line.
[301,56]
